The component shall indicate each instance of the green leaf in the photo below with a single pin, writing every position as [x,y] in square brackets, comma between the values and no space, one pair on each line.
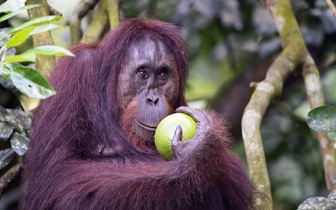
[30,55]
[6,156]
[36,21]
[11,5]
[19,119]
[51,50]
[19,143]
[24,57]
[6,83]
[6,131]
[3,114]
[31,83]
[20,37]
[4,72]
[322,119]
[44,28]
[4,36]
[332,134]
[9,15]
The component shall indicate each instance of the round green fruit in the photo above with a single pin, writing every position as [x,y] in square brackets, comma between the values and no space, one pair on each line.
[165,131]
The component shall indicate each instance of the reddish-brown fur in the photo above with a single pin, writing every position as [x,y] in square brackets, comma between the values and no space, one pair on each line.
[63,170]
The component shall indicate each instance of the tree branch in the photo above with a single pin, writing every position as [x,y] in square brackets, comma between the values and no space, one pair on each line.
[9,177]
[97,26]
[316,98]
[74,21]
[265,91]
[112,7]
[294,53]
[332,6]
[44,63]
[81,10]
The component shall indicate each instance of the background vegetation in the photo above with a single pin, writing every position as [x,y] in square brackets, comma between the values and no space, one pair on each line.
[232,45]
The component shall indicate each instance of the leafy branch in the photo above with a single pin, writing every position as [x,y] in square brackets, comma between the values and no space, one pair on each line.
[14,75]
[323,119]
[108,14]
[294,53]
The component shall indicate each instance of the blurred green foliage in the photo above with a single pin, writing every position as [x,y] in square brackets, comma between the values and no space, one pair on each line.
[14,125]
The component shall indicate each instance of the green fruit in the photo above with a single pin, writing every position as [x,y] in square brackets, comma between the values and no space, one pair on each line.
[165,131]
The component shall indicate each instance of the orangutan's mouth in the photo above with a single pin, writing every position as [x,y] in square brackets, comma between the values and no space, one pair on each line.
[151,128]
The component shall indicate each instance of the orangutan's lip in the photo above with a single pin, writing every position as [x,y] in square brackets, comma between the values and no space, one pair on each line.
[146,127]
